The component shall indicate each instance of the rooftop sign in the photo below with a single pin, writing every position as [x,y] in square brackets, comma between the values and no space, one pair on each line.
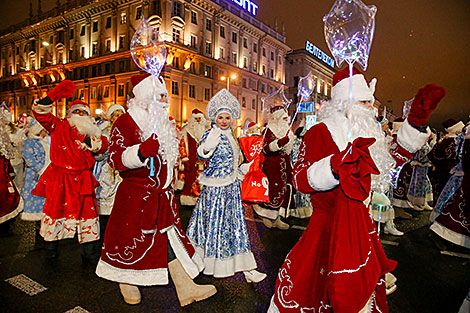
[322,56]
[248,5]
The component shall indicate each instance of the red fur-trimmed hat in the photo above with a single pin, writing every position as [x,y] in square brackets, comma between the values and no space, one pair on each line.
[79,104]
[196,111]
[362,90]
[252,124]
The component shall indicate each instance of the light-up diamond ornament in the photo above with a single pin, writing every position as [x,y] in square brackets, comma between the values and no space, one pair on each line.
[407,107]
[305,87]
[148,48]
[349,29]
[275,99]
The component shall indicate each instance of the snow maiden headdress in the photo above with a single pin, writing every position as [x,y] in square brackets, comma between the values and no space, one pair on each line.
[223,102]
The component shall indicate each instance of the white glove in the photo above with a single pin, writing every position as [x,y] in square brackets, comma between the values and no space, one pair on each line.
[212,140]
[245,167]
[95,144]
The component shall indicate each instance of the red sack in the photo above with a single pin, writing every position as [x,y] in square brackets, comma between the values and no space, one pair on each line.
[255,186]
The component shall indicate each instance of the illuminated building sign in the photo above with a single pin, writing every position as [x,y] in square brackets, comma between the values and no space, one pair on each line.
[310,47]
[305,107]
[310,121]
[248,5]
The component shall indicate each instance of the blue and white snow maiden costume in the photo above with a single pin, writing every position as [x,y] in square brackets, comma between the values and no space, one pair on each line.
[36,155]
[217,227]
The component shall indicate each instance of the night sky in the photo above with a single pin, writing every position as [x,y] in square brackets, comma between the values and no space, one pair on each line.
[415,43]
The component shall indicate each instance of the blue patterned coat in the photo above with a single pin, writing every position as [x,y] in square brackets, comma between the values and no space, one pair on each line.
[35,159]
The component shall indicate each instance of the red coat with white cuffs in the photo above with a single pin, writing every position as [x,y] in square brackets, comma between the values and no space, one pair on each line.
[144,219]
[338,262]
[68,183]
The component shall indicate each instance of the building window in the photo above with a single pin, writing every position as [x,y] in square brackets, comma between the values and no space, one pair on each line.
[234,37]
[208,24]
[264,52]
[244,83]
[207,94]
[194,17]
[272,56]
[108,45]
[122,66]
[255,66]
[192,91]
[208,71]
[245,43]
[95,26]
[244,102]
[82,51]
[93,93]
[94,71]
[108,22]
[208,48]
[192,67]
[222,31]
[234,58]
[176,35]
[174,88]
[138,13]
[279,59]
[106,92]
[121,41]
[271,73]
[263,88]
[107,69]
[121,90]
[255,47]
[253,104]
[177,10]
[94,48]
[81,94]
[82,30]
[222,53]
[245,62]
[176,62]
[123,18]
[193,42]
[263,68]
[71,34]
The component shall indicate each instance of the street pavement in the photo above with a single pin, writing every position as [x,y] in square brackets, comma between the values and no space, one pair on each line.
[428,280]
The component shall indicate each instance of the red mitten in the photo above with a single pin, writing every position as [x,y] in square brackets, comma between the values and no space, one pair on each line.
[64,89]
[337,158]
[284,140]
[149,148]
[424,103]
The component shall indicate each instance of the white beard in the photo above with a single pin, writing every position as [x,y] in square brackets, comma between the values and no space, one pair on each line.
[197,129]
[364,124]
[144,116]
[280,127]
[84,124]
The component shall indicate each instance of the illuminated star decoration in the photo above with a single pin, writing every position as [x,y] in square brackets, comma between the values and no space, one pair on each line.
[349,29]
[277,98]
[306,87]
[148,48]
[406,108]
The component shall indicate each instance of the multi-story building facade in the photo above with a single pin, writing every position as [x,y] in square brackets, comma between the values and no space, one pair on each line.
[88,42]
[299,63]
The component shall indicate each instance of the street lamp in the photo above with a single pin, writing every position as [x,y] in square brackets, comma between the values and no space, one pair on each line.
[233,76]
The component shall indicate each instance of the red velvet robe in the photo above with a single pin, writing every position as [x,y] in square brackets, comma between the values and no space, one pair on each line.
[444,157]
[68,184]
[277,167]
[339,261]
[144,219]
[192,169]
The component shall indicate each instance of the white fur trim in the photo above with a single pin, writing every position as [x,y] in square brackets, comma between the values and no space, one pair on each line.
[271,214]
[319,175]
[114,107]
[221,268]
[42,109]
[150,277]
[338,126]
[455,128]
[130,157]
[360,90]
[450,235]
[31,216]
[148,87]
[200,152]
[192,266]
[410,138]
[81,107]
[13,213]
[272,307]
[396,127]
[273,146]
[57,229]
[188,200]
